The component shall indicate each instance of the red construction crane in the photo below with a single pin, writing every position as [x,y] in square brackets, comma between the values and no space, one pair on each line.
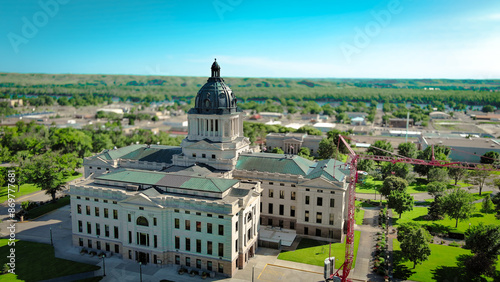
[352,163]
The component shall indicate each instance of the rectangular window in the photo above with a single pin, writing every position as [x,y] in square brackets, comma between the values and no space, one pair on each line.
[332,203]
[155,241]
[198,263]
[209,265]
[176,210]
[221,250]
[115,232]
[177,242]
[89,227]
[319,201]
[203,155]
[98,245]
[331,219]
[198,246]
[236,245]
[115,202]
[79,209]
[188,244]
[236,227]
[306,230]
[115,214]
[282,194]
[271,193]
[105,201]
[221,229]
[318,217]
[176,223]
[209,215]
[318,232]
[221,268]
[209,247]
[80,242]
[106,214]
[80,226]
[88,210]
[209,228]
[292,211]
[282,209]
[96,211]
[271,183]
[292,195]
[177,260]
[198,226]
[129,254]
[292,225]
[187,224]
[280,224]
[213,156]
[87,199]
[270,210]
[130,237]
[221,217]
[307,200]
[306,216]
[89,243]
[282,184]
[97,229]
[194,155]
[270,221]
[117,249]
[188,261]
[106,230]
[129,216]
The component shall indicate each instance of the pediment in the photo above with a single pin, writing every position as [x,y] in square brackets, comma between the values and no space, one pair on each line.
[202,145]
[321,182]
[294,140]
[140,199]
[96,161]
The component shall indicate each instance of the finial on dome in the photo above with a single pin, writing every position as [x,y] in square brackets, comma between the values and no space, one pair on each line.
[215,69]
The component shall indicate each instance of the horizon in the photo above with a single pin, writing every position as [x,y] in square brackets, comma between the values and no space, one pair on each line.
[392,39]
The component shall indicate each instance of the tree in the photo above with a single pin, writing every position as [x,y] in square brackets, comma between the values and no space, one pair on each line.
[397,169]
[414,242]
[392,183]
[484,243]
[334,135]
[367,165]
[440,153]
[490,157]
[437,174]
[487,204]
[436,188]
[46,173]
[457,173]
[71,140]
[458,205]
[309,130]
[327,149]
[277,150]
[305,153]
[479,177]
[155,118]
[408,150]
[386,147]
[400,201]
[488,109]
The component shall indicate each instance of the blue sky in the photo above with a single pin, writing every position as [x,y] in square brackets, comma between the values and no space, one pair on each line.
[253,38]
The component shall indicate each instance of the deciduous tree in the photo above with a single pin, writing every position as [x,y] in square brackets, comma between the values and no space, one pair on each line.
[400,201]
[392,183]
[458,205]
[414,243]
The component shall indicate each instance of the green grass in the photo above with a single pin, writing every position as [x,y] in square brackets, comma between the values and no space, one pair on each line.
[359,217]
[370,186]
[447,224]
[27,189]
[440,266]
[36,261]
[315,252]
[41,210]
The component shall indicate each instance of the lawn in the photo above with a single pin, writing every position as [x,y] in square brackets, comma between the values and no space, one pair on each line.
[315,252]
[359,216]
[440,266]
[36,261]
[28,189]
[41,210]
[370,186]
[447,224]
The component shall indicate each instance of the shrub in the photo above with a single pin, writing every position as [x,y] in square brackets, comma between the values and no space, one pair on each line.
[454,244]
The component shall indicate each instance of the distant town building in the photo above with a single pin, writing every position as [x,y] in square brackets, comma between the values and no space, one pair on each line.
[439,115]
[13,102]
[291,143]
[399,122]
[463,149]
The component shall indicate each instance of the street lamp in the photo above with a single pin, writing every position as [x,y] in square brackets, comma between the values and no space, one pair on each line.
[140,271]
[104,265]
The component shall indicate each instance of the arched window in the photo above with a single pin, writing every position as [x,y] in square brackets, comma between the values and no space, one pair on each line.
[141,220]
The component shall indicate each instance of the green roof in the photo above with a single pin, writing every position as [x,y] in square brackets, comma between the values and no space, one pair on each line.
[141,152]
[329,169]
[209,184]
[134,176]
[275,163]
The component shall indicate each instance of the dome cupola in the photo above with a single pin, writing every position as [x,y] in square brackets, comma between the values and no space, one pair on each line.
[215,97]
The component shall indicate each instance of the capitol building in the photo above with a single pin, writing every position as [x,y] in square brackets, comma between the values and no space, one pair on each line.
[210,203]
